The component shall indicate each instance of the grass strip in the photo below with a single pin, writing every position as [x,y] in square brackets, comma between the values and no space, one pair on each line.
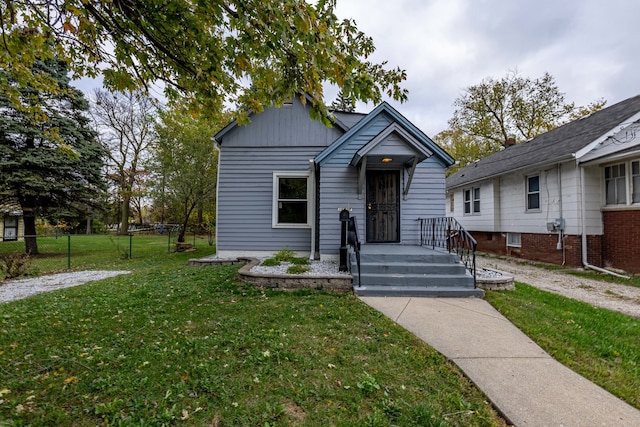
[599,344]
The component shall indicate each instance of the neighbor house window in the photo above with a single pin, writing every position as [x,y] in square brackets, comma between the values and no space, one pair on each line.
[451,202]
[290,199]
[472,201]
[533,193]
[615,182]
[635,181]
[514,239]
[10,229]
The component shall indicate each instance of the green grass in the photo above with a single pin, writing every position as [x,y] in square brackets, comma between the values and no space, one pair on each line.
[108,252]
[634,279]
[601,345]
[176,345]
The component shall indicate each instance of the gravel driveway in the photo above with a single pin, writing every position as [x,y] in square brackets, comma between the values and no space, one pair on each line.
[625,299]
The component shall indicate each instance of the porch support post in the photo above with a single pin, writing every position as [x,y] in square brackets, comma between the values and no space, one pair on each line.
[405,193]
[361,176]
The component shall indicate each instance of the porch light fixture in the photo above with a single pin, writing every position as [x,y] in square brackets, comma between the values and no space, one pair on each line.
[387,159]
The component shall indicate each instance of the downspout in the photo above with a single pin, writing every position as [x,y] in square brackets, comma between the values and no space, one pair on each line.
[585,263]
[216,147]
[561,234]
[312,211]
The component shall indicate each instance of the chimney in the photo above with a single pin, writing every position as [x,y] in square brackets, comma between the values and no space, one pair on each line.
[509,142]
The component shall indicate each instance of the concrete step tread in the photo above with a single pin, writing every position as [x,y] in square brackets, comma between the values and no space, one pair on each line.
[431,291]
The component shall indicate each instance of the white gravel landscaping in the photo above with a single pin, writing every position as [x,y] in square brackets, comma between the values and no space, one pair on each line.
[22,288]
[316,268]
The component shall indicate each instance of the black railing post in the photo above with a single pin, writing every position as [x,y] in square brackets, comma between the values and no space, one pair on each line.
[344,218]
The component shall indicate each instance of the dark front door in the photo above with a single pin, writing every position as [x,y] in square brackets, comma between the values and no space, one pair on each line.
[383,206]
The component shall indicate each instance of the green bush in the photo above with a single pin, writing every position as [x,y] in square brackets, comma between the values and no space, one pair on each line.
[284,255]
[297,269]
[300,261]
[271,262]
[15,264]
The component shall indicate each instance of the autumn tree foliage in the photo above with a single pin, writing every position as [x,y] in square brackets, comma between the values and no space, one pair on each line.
[511,109]
[252,53]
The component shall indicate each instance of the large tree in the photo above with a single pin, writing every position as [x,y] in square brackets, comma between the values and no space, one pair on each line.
[49,157]
[490,114]
[126,125]
[186,161]
[254,53]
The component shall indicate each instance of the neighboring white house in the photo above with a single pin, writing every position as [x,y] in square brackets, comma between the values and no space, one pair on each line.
[284,178]
[569,196]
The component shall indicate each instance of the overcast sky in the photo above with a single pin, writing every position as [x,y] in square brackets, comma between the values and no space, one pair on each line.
[590,47]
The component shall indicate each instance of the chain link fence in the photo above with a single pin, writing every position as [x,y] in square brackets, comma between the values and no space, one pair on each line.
[62,252]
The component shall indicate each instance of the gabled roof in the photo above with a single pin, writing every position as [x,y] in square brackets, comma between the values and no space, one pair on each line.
[10,206]
[406,125]
[342,120]
[557,145]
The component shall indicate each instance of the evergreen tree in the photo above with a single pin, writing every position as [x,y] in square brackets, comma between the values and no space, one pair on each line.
[343,103]
[50,159]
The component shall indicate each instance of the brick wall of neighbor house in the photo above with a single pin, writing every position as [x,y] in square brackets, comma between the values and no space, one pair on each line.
[493,243]
[542,247]
[622,239]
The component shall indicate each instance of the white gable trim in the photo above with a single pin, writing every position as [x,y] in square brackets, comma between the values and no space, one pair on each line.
[589,147]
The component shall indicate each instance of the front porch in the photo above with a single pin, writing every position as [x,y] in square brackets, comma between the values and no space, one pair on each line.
[410,270]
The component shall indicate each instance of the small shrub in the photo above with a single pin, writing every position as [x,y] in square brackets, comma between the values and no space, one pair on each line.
[297,269]
[284,255]
[300,261]
[15,264]
[368,384]
[271,262]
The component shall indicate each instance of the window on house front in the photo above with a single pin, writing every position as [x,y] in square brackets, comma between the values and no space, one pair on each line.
[472,201]
[533,193]
[615,184]
[514,239]
[291,202]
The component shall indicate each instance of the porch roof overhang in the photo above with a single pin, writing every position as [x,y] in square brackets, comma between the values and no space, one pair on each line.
[403,150]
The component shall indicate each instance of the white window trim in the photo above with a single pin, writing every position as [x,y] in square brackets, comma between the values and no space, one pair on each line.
[472,200]
[511,244]
[526,193]
[628,182]
[274,198]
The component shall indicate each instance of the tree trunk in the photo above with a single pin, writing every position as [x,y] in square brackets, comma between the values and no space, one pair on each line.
[183,229]
[30,242]
[124,216]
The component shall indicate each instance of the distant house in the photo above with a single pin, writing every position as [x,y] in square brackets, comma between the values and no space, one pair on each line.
[569,196]
[11,222]
[283,179]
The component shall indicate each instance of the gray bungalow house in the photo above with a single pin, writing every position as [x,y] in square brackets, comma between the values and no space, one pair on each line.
[569,196]
[284,178]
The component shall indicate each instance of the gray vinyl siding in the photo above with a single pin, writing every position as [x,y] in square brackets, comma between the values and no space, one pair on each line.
[288,126]
[245,199]
[426,199]
[343,155]
[339,189]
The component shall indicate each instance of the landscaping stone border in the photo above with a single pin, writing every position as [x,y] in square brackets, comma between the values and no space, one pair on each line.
[281,281]
[501,282]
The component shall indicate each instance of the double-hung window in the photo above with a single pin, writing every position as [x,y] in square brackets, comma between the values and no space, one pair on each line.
[472,201]
[290,199]
[533,193]
[615,182]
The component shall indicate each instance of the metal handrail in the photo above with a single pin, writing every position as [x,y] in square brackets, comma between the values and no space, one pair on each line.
[354,241]
[447,233]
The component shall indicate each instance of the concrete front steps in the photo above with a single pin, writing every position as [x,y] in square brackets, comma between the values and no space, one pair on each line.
[416,271]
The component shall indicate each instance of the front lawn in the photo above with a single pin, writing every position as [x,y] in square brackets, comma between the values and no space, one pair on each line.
[599,344]
[178,345]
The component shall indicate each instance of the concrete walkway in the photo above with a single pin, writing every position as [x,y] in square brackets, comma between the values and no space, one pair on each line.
[522,381]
